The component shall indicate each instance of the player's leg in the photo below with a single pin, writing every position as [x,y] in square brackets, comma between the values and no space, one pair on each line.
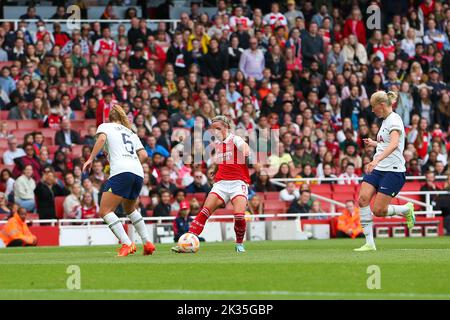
[239,204]
[390,186]
[136,219]
[212,202]
[116,188]
[366,194]
[108,204]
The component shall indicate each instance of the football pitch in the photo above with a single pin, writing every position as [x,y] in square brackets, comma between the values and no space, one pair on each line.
[407,268]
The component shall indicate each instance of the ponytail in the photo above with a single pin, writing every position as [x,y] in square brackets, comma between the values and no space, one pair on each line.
[117,114]
[390,98]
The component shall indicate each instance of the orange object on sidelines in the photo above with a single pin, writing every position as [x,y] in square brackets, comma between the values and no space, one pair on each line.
[16,229]
[349,223]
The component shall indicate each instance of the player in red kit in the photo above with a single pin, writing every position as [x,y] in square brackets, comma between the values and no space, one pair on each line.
[231,180]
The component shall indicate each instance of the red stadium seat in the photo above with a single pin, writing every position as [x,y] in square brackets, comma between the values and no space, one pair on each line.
[272,196]
[59,209]
[77,124]
[145,200]
[412,186]
[274,207]
[77,150]
[12,125]
[200,197]
[29,125]
[10,167]
[52,149]
[79,115]
[320,188]
[3,143]
[341,188]
[6,64]
[4,114]
[342,197]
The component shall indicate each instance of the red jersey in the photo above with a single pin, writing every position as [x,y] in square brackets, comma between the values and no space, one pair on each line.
[89,212]
[230,161]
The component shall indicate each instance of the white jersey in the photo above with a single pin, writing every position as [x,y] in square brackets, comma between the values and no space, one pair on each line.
[122,146]
[394,162]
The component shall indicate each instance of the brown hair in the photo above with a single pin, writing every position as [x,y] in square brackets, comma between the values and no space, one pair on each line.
[117,114]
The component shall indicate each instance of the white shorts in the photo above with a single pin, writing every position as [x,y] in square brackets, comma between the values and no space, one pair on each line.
[227,190]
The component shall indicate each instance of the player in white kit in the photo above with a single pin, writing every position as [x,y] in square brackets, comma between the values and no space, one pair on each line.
[385,175]
[126,155]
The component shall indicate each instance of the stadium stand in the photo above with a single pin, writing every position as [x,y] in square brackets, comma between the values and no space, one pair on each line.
[302,68]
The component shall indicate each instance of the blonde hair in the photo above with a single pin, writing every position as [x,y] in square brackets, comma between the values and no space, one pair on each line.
[390,98]
[117,114]
[222,119]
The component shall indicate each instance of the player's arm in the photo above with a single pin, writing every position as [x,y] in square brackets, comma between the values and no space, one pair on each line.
[370,142]
[215,167]
[242,146]
[142,155]
[101,140]
[393,144]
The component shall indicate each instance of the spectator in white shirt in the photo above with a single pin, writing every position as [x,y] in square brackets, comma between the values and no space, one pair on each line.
[24,189]
[12,152]
[290,193]
[348,177]
[275,17]
[239,17]
[252,62]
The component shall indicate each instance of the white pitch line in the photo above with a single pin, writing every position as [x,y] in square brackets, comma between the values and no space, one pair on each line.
[226,292]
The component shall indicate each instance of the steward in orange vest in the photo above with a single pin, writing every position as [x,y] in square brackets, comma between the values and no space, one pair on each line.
[15,233]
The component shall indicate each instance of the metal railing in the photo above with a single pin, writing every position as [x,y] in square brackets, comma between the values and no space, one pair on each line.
[337,179]
[67,222]
[403,195]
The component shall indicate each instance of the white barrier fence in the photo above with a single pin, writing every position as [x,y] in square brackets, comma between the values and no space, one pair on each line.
[87,232]
[403,195]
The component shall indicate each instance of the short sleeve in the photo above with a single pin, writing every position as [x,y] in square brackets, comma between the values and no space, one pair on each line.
[137,143]
[395,124]
[238,142]
[102,129]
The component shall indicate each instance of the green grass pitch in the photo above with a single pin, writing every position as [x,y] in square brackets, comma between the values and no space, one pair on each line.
[317,269]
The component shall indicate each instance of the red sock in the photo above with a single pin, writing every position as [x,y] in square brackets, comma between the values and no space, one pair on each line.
[239,227]
[199,222]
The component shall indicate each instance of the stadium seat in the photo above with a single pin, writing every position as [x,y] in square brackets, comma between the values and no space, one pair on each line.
[412,186]
[59,209]
[200,196]
[341,188]
[29,125]
[78,124]
[79,115]
[77,150]
[145,200]
[342,197]
[4,114]
[12,125]
[320,188]
[3,144]
[274,207]
[272,196]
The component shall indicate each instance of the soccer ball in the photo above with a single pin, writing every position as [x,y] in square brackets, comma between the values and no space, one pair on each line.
[188,243]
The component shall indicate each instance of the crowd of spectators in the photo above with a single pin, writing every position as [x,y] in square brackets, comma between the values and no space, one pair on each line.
[305,68]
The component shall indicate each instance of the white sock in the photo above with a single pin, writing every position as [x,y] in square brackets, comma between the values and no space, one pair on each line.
[367,224]
[117,228]
[394,210]
[139,224]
